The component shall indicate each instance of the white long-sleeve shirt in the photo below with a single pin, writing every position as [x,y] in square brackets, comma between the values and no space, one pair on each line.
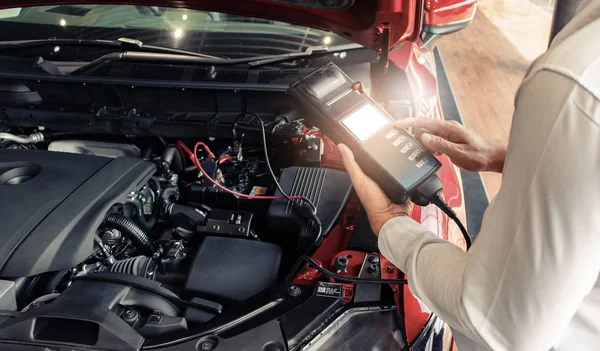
[531,279]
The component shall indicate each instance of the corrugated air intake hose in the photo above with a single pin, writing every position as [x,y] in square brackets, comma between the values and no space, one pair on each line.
[131,230]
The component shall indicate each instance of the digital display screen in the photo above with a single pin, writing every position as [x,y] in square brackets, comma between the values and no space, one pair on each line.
[365,122]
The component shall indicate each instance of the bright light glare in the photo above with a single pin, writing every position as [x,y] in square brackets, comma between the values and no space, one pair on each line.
[327,40]
[62,22]
[365,122]
[178,33]
[57,48]
[184,17]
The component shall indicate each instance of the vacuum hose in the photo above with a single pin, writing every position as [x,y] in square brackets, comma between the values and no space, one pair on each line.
[131,230]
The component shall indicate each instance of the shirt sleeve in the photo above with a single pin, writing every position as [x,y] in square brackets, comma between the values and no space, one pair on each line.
[536,256]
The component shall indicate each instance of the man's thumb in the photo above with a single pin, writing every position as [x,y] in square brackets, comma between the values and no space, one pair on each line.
[348,158]
[436,144]
[347,155]
[344,150]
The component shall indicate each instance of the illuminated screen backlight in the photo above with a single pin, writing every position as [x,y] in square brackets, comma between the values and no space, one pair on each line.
[365,122]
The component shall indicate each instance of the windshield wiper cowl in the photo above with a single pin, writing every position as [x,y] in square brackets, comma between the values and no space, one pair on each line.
[310,51]
[124,44]
[160,58]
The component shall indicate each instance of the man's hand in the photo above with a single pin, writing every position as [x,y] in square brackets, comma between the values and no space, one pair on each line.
[378,206]
[465,149]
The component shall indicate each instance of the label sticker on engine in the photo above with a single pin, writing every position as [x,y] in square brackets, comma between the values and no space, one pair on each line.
[258,190]
[329,290]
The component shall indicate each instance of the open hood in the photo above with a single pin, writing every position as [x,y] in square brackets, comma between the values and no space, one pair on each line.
[376,24]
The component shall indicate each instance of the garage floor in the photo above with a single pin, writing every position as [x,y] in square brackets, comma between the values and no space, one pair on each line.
[486,62]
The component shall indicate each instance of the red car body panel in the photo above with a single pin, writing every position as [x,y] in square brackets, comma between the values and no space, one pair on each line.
[447,12]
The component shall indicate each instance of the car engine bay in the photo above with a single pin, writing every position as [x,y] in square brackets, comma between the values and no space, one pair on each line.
[148,213]
[135,225]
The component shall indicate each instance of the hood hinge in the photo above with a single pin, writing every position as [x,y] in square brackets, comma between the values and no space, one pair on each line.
[383,36]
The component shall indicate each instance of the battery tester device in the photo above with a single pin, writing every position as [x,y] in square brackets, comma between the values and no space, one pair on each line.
[401,167]
[390,156]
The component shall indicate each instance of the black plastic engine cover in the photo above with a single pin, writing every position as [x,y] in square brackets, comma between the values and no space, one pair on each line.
[328,189]
[233,269]
[53,202]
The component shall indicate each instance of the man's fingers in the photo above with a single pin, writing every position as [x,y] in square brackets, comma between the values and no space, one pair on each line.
[377,205]
[439,145]
[417,132]
[350,164]
[416,122]
[363,185]
[436,127]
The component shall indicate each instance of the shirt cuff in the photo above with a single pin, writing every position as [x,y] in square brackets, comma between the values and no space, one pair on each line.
[395,237]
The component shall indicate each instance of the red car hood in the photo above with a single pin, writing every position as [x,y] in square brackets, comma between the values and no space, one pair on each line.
[377,24]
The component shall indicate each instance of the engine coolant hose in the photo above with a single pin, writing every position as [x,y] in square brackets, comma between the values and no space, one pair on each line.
[171,159]
[131,230]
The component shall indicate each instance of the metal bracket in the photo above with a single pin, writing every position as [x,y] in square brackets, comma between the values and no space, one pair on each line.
[313,151]
[371,269]
[383,36]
